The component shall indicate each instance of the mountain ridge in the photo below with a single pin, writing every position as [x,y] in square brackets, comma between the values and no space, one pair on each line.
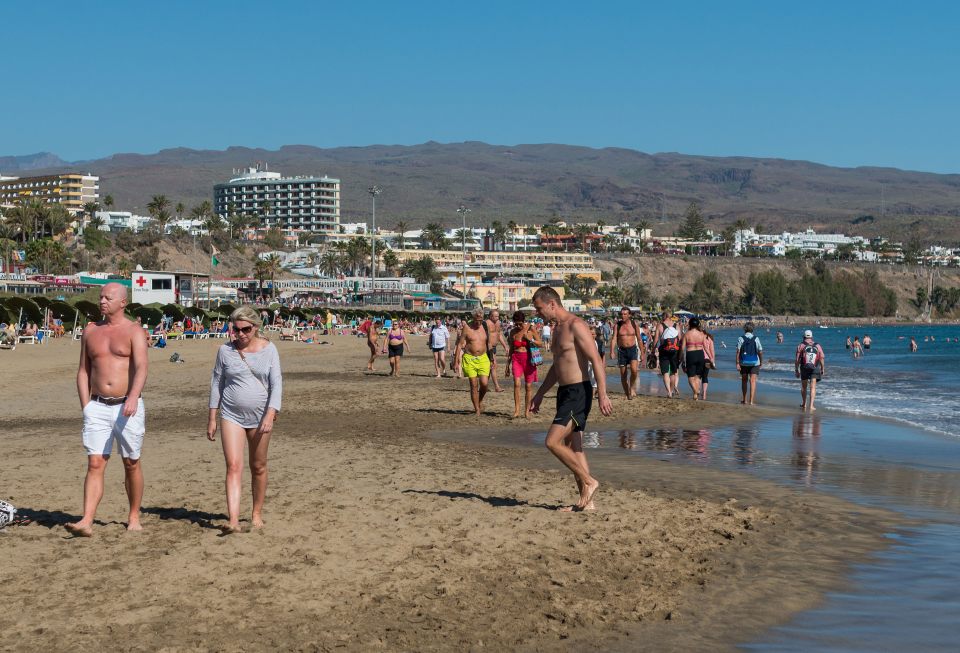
[525,182]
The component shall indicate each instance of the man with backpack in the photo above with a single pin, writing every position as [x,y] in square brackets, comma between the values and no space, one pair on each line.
[749,361]
[809,366]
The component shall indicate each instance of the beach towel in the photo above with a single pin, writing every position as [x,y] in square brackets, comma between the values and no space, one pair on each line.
[6,514]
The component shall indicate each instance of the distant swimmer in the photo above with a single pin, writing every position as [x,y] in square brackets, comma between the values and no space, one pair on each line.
[809,367]
[857,347]
[867,341]
[849,343]
[779,337]
[913,344]
[110,380]
[573,347]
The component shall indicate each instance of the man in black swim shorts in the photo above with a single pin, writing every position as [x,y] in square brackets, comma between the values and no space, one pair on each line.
[573,347]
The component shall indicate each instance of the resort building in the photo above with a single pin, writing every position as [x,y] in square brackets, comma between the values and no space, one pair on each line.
[122,221]
[480,265]
[70,190]
[308,203]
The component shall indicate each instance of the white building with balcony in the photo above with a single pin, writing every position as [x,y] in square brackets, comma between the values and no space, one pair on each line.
[308,203]
[122,221]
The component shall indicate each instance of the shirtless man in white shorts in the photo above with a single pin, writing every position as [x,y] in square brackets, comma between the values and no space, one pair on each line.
[113,370]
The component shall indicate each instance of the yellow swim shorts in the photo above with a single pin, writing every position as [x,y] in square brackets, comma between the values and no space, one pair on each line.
[476,365]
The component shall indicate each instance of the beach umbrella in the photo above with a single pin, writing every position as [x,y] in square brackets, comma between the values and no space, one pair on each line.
[90,310]
[24,306]
[41,301]
[61,310]
[5,315]
[198,313]
[225,309]
[174,311]
[133,306]
[149,316]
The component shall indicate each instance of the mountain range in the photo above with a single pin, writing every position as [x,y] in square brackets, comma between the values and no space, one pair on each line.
[427,182]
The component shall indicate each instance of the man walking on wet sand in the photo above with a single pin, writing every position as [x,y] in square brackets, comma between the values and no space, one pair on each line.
[475,364]
[573,347]
[113,370]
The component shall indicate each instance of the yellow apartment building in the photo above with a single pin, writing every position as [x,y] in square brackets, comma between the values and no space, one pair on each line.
[71,190]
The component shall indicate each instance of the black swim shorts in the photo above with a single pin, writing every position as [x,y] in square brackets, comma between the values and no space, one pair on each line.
[669,362]
[573,403]
[626,355]
[696,363]
[810,373]
[491,353]
[395,350]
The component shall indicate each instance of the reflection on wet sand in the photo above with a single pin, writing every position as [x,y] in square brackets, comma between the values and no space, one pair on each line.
[806,448]
[693,444]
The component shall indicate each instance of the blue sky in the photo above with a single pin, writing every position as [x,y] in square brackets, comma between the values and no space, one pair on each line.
[842,83]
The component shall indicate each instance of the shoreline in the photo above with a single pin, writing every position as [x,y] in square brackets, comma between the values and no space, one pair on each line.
[379,536]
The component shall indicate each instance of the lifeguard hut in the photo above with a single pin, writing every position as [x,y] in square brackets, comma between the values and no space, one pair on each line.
[154,286]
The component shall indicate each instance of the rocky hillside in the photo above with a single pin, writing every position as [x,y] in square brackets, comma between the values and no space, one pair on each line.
[675,275]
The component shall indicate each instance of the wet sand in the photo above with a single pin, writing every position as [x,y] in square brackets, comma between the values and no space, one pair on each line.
[379,537]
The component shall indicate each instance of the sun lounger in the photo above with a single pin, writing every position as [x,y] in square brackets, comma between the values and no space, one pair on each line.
[289,334]
[27,340]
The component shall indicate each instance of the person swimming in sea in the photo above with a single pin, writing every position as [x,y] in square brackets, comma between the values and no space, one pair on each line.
[913,345]
[857,347]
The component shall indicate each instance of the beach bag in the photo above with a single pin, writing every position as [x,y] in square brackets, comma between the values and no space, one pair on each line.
[670,339]
[535,356]
[748,351]
[6,514]
[810,357]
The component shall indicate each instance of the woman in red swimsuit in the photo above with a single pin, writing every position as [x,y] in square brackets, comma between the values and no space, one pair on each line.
[522,336]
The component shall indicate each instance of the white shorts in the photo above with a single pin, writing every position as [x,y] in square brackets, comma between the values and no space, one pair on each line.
[102,424]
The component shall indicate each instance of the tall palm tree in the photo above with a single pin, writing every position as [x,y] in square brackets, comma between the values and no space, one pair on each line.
[89,211]
[179,209]
[108,202]
[617,274]
[434,235]
[400,228]
[390,261]
[330,264]
[19,221]
[583,231]
[157,208]
[642,228]
[423,269]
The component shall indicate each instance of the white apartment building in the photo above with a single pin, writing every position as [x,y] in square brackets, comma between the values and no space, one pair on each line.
[309,203]
[70,190]
[779,244]
[123,221]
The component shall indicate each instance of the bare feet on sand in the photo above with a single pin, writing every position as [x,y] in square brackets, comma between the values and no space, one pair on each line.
[589,507]
[231,529]
[257,522]
[586,495]
[134,525]
[79,529]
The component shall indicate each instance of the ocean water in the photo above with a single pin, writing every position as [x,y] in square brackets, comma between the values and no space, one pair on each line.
[921,389]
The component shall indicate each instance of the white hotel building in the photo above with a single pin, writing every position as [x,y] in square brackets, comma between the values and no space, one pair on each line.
[308,203]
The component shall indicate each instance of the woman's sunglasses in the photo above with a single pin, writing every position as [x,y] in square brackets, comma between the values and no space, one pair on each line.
[244,330]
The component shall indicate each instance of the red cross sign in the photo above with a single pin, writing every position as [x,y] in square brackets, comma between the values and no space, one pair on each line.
[141,280]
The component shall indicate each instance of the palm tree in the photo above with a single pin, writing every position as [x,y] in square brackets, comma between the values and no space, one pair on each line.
[267,267]
[434,236]
[390,260]
[643,227]
[108,202]
[90,211]
[356,254]
[261,271]
[19,222]
[401,227]
[637,295]
[617,274]
[179,209]
[423,269]
[584,231]
[600,225]
[330,264]
[157,207]
[609,242]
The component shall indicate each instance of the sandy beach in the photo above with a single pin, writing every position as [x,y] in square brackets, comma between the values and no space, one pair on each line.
[380,536]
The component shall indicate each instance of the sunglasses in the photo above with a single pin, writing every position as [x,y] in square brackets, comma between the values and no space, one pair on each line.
[245,330]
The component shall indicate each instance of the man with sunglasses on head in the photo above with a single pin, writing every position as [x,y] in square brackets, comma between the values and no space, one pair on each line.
[113,371]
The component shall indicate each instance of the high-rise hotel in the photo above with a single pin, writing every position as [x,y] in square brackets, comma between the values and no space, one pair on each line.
[310,203]
[71,190]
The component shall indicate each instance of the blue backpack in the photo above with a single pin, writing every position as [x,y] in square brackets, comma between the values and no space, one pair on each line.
[749,354]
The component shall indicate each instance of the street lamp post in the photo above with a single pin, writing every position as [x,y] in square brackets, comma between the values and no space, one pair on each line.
[374,191]
[463,211]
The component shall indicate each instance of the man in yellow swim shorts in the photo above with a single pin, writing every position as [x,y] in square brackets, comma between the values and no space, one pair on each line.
[475,363]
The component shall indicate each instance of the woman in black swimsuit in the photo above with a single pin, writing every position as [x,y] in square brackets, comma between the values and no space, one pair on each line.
[396,340]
